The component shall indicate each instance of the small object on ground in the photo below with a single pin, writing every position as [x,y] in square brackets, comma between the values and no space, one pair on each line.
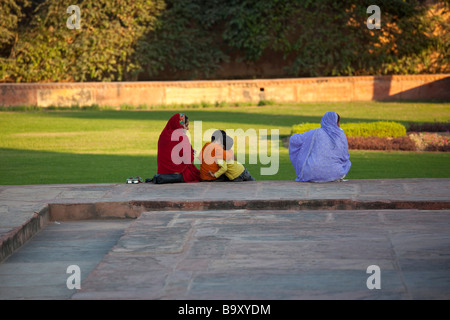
[134,180]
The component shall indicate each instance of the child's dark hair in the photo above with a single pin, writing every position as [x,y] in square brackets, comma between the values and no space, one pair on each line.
[217,135]
[228,143]
[221,137]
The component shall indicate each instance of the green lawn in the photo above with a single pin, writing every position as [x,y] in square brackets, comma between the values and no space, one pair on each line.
[52,147]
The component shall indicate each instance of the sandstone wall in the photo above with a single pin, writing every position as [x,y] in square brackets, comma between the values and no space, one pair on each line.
[365,88]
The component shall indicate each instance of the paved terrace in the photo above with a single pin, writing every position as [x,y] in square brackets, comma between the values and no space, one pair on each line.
[251,240]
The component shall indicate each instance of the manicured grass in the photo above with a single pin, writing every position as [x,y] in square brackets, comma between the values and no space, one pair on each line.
[93,146]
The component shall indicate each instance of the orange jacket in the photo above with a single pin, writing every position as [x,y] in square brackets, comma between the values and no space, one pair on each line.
[210,152]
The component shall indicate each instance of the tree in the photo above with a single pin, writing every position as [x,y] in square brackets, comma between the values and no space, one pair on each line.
[122,40]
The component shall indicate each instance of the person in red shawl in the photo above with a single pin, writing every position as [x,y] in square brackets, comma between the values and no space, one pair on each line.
[175,154]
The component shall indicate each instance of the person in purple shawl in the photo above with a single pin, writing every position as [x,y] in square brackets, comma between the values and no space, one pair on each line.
[321,155]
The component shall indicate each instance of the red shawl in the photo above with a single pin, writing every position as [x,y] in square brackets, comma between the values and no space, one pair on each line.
[175,153]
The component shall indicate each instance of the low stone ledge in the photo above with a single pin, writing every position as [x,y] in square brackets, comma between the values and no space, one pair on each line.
[14,239]
[93,211]
[133,209]
[356,88]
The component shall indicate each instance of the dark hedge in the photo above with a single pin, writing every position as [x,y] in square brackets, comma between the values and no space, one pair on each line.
[123,40]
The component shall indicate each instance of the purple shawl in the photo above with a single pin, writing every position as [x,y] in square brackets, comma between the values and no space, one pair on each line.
[320,155]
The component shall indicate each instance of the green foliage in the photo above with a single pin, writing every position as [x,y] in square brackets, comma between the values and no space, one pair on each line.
[377,129]
[362,129]
[343,45]
[181,42]
[123,40]
[10,14]
[266,103]
[101,50]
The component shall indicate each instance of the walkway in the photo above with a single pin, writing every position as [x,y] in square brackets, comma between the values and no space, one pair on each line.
[256,240]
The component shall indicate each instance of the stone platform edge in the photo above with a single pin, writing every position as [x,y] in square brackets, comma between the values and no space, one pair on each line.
[14,239]
[133,209]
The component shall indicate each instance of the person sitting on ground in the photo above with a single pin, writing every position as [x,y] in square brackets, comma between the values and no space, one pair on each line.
[175,153]
[321,155]
[210,151]
[233,169]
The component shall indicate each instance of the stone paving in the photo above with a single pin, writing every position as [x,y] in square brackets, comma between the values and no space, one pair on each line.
[38,270]
[277,240]
[243,254]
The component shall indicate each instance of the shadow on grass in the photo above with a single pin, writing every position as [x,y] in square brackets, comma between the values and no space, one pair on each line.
[44,167]
[22,167]
[235,118]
